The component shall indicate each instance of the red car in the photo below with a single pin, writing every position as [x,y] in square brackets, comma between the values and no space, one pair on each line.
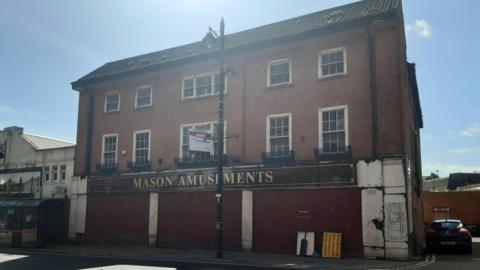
[448,233]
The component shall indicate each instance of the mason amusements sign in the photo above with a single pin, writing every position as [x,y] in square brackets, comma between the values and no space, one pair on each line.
[206,179]
[244,177]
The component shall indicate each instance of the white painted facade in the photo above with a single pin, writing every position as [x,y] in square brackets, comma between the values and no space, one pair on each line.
[26,161]
[387,214]
[27,171]
[78,207]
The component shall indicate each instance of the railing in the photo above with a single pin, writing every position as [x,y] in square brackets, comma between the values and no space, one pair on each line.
[139,165]
[107,167]
[322,155]
[192,162]
[270,158]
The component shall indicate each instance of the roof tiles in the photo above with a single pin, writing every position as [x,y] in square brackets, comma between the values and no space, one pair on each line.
[291,27]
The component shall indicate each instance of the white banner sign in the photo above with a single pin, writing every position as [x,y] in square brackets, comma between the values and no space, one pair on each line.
[200,141]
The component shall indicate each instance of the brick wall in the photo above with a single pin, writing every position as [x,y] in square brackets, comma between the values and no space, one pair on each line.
[464,205]
[117,219]
[279,214]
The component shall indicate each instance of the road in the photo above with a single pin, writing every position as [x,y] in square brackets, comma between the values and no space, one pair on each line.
[439,261]
[68,262]
[448,260]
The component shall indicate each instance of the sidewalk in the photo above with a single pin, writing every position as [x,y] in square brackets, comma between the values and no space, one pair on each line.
[208,256]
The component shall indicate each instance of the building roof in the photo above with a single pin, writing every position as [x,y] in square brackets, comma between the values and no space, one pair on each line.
[44,143]
[456,180]
[437,184]
[318,21]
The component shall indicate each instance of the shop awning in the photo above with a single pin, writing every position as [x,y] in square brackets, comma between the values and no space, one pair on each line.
[20,203]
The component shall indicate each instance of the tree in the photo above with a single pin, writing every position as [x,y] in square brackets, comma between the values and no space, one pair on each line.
[432,176]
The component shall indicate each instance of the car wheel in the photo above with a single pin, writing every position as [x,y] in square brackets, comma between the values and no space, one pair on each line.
[468,250]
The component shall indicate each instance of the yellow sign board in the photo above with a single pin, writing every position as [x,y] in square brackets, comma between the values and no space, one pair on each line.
[332,245]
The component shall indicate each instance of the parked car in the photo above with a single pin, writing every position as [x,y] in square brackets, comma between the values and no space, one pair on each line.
[448,233]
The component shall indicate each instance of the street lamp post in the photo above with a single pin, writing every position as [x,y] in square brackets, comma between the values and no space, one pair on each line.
[211,35]
[220,140]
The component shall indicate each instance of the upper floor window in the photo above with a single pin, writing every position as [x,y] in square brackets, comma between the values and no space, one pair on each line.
[279,72]
[143,97]
[333,129]
[141,151]
[210,127]
[63,172]
[55,172]
[112,102]
[46,173]
[109,150]
[201,85]
[279,135]
[332,62]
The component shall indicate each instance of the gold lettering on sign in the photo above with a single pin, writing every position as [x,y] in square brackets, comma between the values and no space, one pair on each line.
[250,177]
[240,178]
[269,176]
[228,178]
[137,183]
[211,179]
[191,180]
[203,179]
[168,181]
[181,181]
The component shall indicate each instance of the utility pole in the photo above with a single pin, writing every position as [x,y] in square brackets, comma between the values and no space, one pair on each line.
[220,140]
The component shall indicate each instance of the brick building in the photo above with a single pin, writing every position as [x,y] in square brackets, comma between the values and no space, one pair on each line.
[322,118]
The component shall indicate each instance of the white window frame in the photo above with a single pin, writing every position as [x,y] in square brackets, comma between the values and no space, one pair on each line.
[46,171]
[200,124]
[54,172]
[136,95]
[319,64]
[103,146]
[194,77]
[60,172]
[105,103]
[320,123]
[290,128]
[135,142]
[279,61]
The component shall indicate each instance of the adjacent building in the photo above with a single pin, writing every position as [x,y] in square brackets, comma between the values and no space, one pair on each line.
[35,185]
[322,116]
[453,197]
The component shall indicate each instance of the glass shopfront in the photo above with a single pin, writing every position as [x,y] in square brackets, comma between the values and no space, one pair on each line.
[30,222]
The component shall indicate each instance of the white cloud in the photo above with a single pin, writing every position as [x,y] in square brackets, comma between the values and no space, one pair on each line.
[6,109]
[445,170]
[421,27]
[427,136]
[472,131]
[465,150]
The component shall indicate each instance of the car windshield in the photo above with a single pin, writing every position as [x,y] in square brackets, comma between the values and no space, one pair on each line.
[445,225]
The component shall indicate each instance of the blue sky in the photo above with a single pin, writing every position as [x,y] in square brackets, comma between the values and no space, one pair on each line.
[45,45]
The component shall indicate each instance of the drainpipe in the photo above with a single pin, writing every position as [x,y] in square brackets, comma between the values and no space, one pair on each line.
[42,173]
[244,101]
[373,89]
[88,156]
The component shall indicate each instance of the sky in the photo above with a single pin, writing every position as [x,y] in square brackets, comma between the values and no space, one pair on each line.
[45,45]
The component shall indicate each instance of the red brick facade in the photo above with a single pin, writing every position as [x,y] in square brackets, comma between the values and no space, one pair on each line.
[186,217]
[463,205]
[249,101]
